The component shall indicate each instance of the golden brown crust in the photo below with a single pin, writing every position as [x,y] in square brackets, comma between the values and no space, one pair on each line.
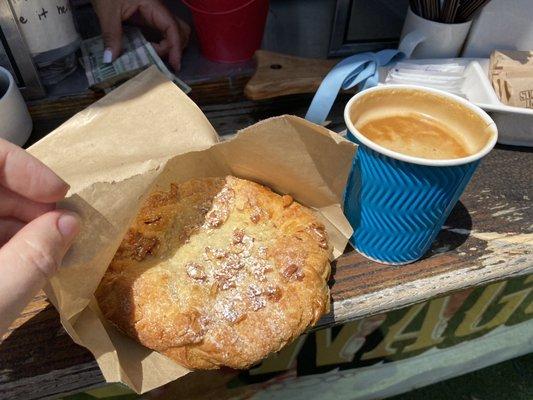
[218,272]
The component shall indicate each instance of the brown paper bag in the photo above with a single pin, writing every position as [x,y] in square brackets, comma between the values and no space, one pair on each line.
[148,133]
[511,75]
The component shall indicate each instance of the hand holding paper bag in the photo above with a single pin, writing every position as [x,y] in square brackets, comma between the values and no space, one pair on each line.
[115,151]
[34,236]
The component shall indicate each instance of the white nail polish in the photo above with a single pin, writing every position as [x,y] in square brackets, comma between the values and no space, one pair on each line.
[108,56]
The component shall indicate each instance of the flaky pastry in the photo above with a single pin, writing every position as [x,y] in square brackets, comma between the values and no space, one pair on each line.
[218,272]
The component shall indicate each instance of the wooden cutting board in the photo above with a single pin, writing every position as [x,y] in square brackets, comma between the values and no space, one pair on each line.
[279,74]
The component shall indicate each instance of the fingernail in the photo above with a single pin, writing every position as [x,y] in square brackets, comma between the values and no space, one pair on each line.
[68,224]
[108,56]
[66,188]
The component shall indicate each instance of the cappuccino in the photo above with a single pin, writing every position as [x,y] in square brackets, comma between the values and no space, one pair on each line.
[415,135]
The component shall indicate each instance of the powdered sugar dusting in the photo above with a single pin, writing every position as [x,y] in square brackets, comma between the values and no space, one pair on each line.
[212,254]
[257,213]
[195,271]
[257,301]
[230,311]
[224,271]
[260,268]
[222,204]
[248,244]
[292,262]
[254,290]
[262,252]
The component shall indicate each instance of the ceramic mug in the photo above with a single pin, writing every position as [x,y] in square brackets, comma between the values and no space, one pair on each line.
[422,38]
[492,28]
[397,203]
[15,120]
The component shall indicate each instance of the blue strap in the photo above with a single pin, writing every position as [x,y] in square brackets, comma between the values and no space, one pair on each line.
[360,68]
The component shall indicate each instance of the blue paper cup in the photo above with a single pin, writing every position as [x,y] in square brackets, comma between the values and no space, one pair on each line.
[398,203]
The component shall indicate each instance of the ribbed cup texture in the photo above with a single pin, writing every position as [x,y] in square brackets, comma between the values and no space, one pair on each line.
[397,208]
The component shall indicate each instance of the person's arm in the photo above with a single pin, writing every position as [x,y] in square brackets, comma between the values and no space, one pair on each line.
[151,13]
[34,235]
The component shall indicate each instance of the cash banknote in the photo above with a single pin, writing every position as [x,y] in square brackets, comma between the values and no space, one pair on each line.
[137,55]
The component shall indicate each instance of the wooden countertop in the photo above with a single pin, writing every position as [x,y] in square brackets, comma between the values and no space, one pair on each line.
[488,237]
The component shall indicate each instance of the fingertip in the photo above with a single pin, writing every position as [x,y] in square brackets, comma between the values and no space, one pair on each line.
[52,183]
[112,52]
[176,66]
[58,189]
[44,181]
[162,48]
[112,37]
[174,59]
[48,188]
[42,243]
[63,188]
[26,175]
[68,224]
[107,57]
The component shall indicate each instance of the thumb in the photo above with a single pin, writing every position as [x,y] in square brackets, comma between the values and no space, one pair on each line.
[111,26]
[32,256]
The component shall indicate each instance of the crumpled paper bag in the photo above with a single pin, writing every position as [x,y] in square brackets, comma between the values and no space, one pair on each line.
[148,133]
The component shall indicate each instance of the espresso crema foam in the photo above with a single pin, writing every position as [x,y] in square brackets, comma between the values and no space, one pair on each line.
[415,134]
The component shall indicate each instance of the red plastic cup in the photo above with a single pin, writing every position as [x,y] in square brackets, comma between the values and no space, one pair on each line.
[229,30]
[217,5]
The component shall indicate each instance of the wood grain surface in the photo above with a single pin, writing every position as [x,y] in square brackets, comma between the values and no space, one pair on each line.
[278,74]
[488,236]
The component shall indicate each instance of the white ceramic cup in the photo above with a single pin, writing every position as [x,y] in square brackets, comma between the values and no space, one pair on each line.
[422,38]
[501,24]
[15,120]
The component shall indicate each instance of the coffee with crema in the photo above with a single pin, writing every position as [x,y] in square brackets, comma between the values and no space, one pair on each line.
[416,135]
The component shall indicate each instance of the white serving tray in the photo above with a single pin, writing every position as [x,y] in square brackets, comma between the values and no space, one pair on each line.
[515,124]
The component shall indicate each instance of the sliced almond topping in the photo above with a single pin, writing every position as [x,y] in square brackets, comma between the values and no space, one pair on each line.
[214,254]
[195,271]
[318,231]
[215,218]
[225,279]
[289,270]
[292,271]
[238,235]
[254,290]
[138,245]
[236,248]
[273,292]
[287,200]
[152,220]
[231,312]
[262,252]
[257,303]
[213,290]
[255,215]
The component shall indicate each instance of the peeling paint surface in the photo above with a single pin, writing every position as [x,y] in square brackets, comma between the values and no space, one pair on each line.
[505,254]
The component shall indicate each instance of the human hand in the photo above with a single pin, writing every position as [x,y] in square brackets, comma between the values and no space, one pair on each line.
[34,235]
[149,13]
